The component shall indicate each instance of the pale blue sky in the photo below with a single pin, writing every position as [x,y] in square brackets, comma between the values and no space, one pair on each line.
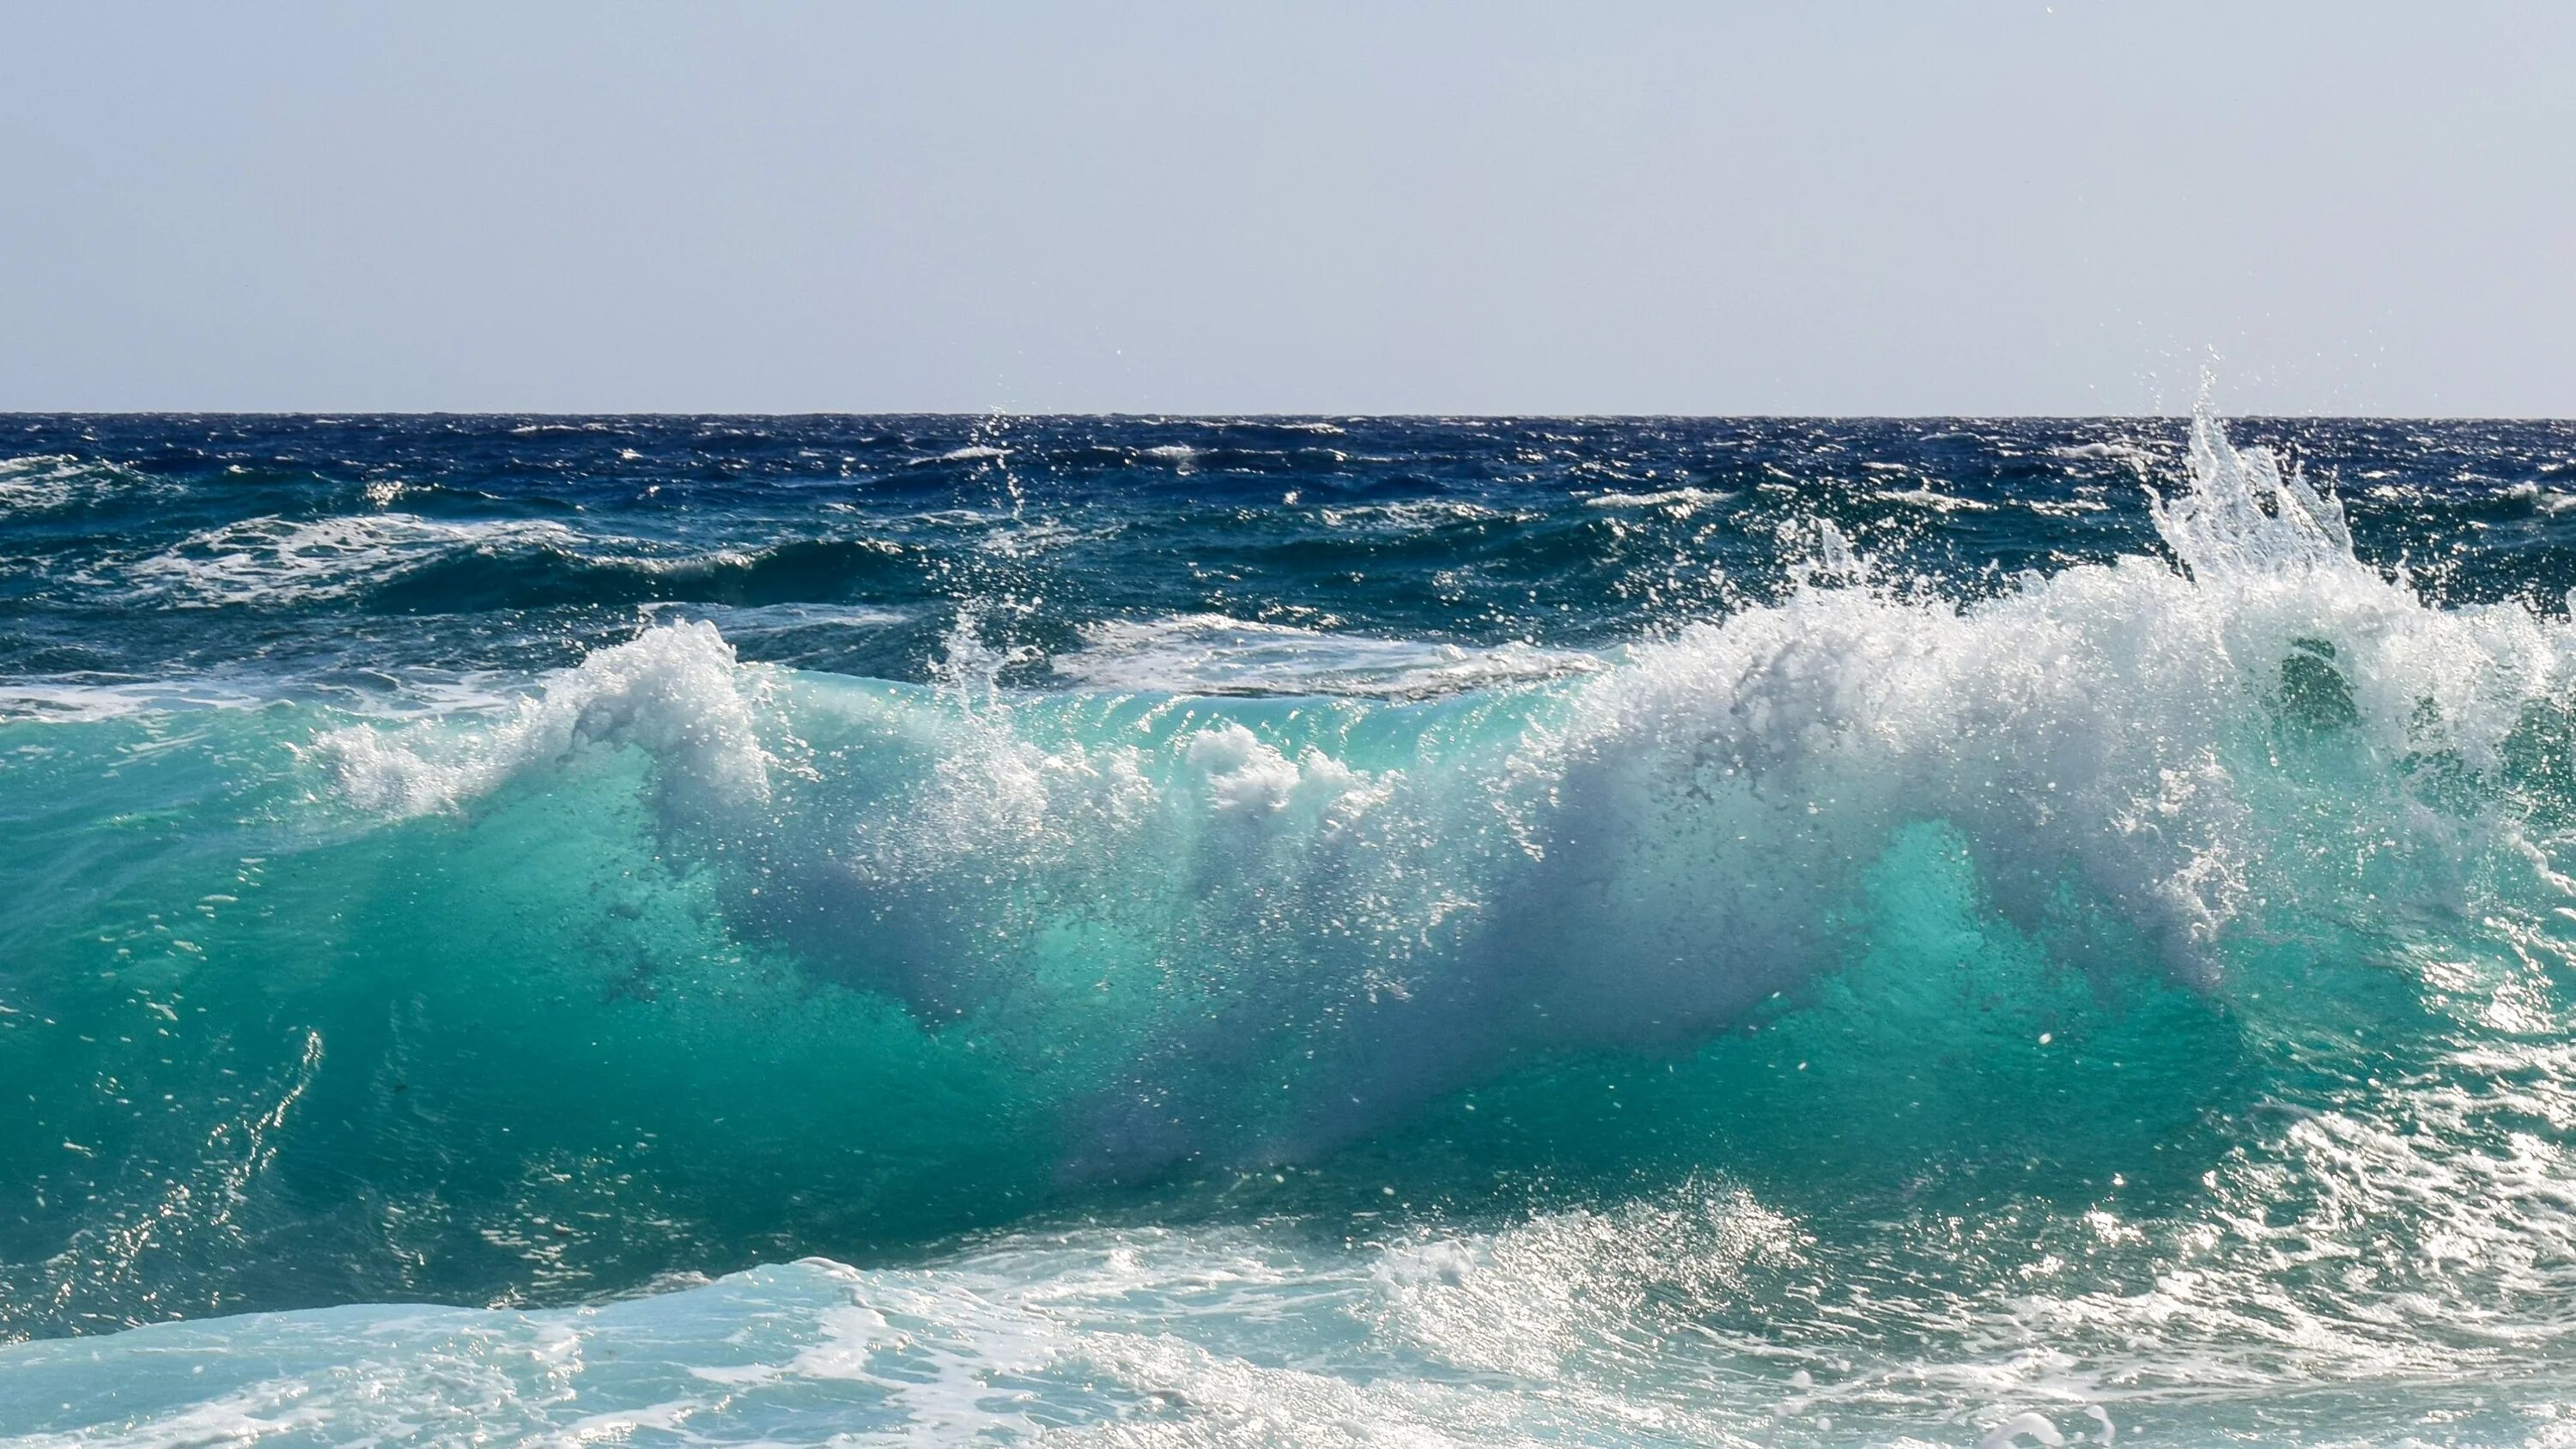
[1832,208]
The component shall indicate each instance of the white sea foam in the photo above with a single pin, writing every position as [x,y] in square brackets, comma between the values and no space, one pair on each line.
[275,560]
[676,691]
[82,703]
[43,482]
[1414,513]
[2140,457]
[1201,1337]
[1214,654]
[1926,496]
[750,621]
[1675,500]
[38,482]
[1640,1321]
[2080,723]
[970,453]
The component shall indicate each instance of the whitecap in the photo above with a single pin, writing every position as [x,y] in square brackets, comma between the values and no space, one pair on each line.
[1926,497]
[1414,513]
[676,691]
[1678,500]
[971,453]
[43,482]
[271,560]
[1212,654]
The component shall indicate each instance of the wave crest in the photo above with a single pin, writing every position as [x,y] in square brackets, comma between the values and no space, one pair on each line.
[677,692]
[1366,908]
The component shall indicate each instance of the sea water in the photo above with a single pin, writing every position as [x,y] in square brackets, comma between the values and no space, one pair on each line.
[1302,931]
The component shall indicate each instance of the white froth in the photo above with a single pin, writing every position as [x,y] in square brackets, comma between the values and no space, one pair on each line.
[676,692]
[747,621]
[1925,496]
[1674,500]
[275,560]
[1414,513]
[1643,1321]
[972,453]
[1639,855]
[1211,654]
[43,482]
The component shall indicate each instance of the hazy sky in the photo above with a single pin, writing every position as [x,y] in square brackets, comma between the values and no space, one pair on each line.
[1702,208]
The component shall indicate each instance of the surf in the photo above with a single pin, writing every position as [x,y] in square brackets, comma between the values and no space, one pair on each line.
[2065,931]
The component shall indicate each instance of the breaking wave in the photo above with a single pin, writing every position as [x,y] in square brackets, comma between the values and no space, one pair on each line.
[1540,1016]
[1316,916]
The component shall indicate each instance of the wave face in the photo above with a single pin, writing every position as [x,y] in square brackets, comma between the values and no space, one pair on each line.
[1285,931]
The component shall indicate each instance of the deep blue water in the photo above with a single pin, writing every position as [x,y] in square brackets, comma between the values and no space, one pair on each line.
[350,553]
[732,930]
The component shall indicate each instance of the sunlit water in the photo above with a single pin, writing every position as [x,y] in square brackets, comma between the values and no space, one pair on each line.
[726,931]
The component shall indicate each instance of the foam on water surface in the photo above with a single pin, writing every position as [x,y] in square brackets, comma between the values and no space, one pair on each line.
[2120,997]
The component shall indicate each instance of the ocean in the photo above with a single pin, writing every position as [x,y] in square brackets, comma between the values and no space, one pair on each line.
[1303,931]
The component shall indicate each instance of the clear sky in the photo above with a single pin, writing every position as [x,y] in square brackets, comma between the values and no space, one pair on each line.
[1703,208]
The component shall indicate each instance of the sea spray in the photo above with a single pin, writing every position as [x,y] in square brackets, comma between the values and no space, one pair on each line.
[2111,990]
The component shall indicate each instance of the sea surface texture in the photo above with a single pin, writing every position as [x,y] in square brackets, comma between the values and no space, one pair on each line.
[706,931]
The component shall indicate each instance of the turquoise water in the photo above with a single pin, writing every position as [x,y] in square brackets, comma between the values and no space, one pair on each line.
[801,931]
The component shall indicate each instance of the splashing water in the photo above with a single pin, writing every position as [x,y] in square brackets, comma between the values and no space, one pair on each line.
[2092,999]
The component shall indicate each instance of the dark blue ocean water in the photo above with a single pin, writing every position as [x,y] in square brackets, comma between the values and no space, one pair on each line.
[729,930]
[350,552]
